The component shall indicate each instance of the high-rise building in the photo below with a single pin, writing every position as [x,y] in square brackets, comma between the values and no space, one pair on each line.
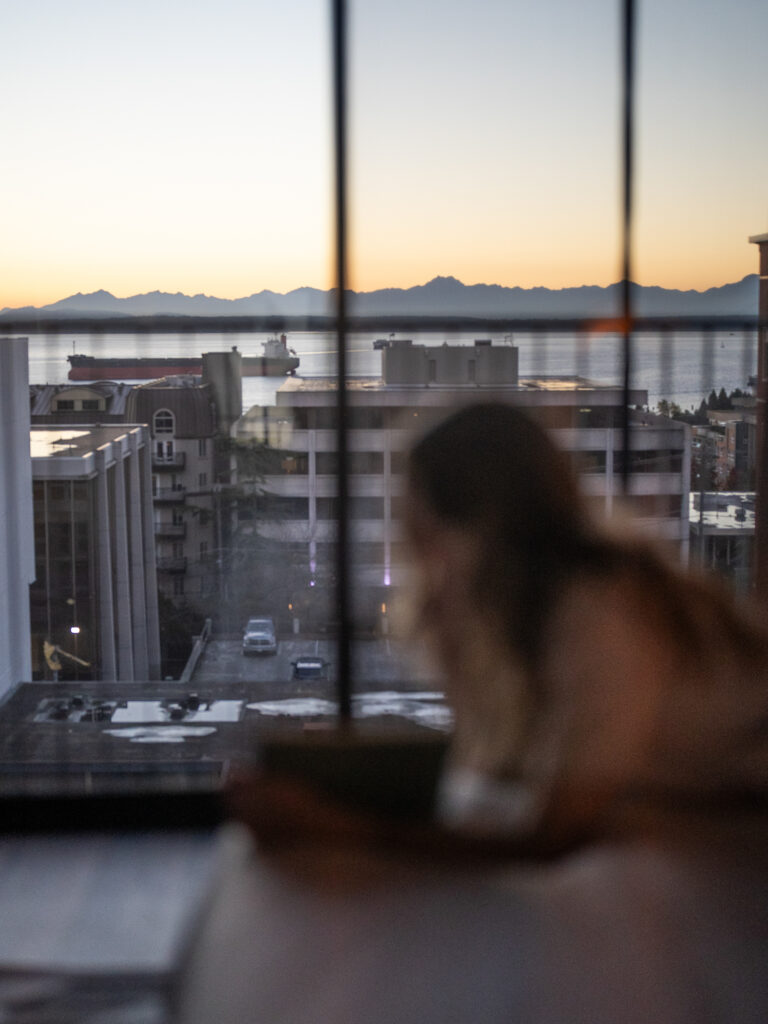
[95,591]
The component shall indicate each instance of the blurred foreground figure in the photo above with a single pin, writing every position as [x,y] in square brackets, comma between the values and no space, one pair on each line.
[599,852]
[588,675]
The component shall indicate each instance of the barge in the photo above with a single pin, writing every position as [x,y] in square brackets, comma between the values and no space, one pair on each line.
[276,360]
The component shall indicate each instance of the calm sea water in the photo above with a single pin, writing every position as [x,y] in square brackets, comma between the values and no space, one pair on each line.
[682,367]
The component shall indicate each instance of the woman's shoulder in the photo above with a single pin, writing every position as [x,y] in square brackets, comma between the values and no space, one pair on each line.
[607,613]
[634,590]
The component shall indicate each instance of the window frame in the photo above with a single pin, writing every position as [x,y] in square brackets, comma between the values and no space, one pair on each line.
[147,810]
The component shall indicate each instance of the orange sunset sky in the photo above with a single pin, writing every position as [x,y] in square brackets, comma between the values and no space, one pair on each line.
[182,147]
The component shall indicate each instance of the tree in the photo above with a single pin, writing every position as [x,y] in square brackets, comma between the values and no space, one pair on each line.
[255,574]
[179,625]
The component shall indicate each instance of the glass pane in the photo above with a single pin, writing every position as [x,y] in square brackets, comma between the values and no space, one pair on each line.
[174,169]
[165,189]
[483,153]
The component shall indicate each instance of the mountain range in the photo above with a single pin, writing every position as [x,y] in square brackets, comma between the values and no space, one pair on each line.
[442,296]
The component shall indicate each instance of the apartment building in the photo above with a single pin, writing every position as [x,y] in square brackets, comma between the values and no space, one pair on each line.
[419,383]
[182,426]
[185,414]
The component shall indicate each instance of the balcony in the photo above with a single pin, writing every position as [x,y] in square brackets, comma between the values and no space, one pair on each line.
[171,530]
[173,565]
[161,463]
[170,496]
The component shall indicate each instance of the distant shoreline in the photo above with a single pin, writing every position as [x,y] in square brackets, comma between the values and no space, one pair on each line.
[175,323]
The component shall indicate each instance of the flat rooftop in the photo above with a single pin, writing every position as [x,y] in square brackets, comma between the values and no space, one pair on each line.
[46,442]
[725,512]
[313,385]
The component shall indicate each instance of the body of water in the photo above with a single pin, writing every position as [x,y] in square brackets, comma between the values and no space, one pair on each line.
[680,367]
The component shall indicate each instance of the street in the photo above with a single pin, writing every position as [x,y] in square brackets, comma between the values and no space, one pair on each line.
[377,664]
[385,683]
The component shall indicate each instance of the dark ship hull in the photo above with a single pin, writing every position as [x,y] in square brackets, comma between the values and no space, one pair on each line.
[83,367]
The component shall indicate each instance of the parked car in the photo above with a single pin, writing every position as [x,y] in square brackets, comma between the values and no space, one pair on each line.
[259,637]
[310,668]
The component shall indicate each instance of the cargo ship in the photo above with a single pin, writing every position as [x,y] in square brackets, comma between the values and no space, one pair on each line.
[276,360]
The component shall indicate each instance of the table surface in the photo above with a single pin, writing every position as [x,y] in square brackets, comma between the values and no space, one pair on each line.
[92,925]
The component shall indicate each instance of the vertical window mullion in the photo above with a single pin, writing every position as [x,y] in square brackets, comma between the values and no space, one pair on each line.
[628,53]
[343,674]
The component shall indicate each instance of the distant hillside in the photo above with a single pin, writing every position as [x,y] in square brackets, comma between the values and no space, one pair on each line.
[442,296]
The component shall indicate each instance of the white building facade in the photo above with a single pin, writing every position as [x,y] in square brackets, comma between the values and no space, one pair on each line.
[95,593]
[419,383]
[17,556]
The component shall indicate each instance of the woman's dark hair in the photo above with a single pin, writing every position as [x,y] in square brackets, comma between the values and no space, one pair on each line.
[491,469]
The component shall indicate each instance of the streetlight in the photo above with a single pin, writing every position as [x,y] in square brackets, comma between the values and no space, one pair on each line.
[75,631]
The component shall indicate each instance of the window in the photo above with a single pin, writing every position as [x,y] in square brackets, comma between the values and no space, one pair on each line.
[326,463]
[163,422]
[589,462]
[268,526]
[327,508]
[366,508]
[655,505]
[651,461]
[366,418]
[324,419]
[359,462]
[164,451]
[273,506]
[298,464]
[359,508]
[91,404]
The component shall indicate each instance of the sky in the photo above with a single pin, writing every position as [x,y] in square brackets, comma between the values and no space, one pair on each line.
[184,146]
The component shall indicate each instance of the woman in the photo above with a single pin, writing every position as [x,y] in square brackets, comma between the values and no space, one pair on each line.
[599,677]
[594,685]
